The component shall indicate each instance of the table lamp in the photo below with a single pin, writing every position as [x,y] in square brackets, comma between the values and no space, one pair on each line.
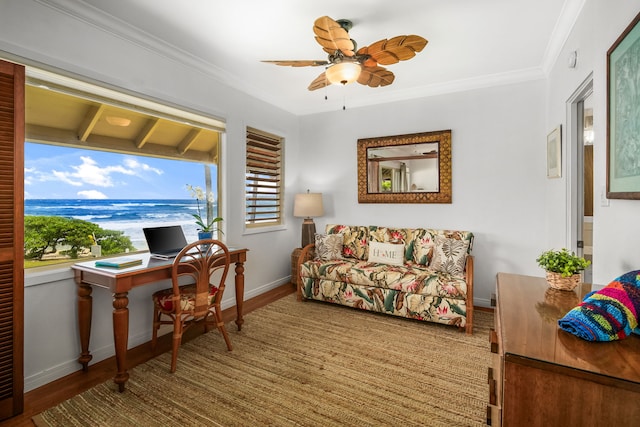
[308,205]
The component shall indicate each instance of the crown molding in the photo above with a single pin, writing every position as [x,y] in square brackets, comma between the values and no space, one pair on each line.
[436,89]
[81,11]
[569,14]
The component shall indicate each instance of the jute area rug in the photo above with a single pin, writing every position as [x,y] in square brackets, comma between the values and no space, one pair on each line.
[303,364]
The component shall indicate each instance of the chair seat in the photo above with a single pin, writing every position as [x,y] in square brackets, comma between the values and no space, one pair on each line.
[164,298]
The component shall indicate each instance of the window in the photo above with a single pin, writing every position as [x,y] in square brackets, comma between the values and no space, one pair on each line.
[263,179]
[117,161]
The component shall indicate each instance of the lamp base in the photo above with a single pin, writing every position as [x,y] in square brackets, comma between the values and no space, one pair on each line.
[308,232]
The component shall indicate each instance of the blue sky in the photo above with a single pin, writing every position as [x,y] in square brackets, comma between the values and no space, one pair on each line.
[53,172]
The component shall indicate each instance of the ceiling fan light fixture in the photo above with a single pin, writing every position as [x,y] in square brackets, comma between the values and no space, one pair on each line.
[343,72]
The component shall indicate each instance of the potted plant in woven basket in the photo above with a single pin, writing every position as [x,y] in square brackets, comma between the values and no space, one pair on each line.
[563,268]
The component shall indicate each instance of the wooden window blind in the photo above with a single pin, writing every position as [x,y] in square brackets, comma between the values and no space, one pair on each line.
[263,179]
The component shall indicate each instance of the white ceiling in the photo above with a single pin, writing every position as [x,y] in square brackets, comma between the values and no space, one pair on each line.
[472,43]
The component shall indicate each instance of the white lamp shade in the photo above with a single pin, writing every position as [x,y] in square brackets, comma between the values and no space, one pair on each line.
[308,205]
[343,73]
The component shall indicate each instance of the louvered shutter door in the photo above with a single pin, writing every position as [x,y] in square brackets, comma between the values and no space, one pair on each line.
[11,239]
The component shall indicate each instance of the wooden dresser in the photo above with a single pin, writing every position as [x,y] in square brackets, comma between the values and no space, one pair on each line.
[543,376]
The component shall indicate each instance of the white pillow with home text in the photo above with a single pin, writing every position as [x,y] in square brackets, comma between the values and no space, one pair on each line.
[386,253]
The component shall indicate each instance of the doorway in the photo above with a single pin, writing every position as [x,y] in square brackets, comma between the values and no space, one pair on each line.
[580,136]
[587,189]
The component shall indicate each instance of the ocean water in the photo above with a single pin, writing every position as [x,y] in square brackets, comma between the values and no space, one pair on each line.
[129,216]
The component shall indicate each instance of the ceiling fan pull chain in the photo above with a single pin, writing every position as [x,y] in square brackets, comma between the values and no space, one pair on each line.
[344,97]
[326,83]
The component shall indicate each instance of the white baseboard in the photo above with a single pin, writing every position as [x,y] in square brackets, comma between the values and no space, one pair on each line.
[136,338]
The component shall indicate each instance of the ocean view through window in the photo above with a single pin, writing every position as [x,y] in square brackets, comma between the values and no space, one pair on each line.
[115,191]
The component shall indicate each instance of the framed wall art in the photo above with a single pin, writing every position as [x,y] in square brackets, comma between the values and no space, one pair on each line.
[554,153]
[623,120]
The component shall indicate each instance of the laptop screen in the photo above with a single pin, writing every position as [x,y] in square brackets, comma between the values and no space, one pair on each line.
[168,240]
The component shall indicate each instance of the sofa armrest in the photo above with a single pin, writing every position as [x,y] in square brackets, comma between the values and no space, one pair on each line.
[469,301]
[307,253]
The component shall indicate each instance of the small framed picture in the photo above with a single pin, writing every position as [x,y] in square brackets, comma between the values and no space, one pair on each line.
[554,153]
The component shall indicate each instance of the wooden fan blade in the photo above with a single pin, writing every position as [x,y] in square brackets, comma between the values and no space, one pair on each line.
[369,62]
[331,36]
[301,63]
[375,77]
[390,51]
[319,82]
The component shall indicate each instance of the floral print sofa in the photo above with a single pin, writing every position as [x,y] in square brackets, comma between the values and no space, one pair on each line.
[417,273]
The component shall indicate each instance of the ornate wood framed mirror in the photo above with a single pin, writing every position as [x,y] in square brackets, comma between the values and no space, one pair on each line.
[412,168]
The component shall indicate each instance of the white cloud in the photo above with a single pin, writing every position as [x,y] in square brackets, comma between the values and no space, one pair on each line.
[91,173]
[132,163]
[91,194]
[64,177]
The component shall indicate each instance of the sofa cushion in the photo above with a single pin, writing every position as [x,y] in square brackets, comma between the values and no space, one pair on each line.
[337,270]
[387,234]
[355,239]
[450,255]
[386,253]
[448,311]
[420,246]
[328,246]
[465,236]
[406,278]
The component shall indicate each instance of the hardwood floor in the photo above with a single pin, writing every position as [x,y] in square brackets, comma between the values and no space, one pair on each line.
[64,388]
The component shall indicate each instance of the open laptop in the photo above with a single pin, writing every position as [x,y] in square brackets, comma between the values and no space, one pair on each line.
[165,242]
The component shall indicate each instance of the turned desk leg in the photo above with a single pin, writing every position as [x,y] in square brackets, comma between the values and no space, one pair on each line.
[84,323]
[239,294]
[121,337]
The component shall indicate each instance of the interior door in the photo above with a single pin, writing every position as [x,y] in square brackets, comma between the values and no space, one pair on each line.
[587,187]
[580,176]
[12,80]
[585,218]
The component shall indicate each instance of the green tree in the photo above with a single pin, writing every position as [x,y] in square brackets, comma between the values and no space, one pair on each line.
[77,234]
[114,242]
[44,234]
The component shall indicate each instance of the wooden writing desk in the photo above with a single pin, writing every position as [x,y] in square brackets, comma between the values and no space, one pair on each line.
[120,282]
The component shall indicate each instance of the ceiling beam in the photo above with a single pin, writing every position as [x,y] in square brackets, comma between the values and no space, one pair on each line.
[89,122]
[48,135]
[186,143]
[146,132]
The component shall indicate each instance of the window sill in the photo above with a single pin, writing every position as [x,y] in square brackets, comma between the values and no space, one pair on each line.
[268,229]
[44,275]
[56,272]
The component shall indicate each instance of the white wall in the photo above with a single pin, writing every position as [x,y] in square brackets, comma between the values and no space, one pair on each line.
[498,171]
[616,227]
[36,34]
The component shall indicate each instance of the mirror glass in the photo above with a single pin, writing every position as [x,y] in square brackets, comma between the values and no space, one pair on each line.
[414,168]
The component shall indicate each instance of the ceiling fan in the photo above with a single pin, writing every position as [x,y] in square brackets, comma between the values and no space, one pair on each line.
[345,64]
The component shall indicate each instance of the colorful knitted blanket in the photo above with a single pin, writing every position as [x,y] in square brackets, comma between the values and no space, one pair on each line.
[608,314]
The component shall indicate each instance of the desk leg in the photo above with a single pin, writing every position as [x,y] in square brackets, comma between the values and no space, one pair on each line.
[239,293]
[121,337]
[84,323]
